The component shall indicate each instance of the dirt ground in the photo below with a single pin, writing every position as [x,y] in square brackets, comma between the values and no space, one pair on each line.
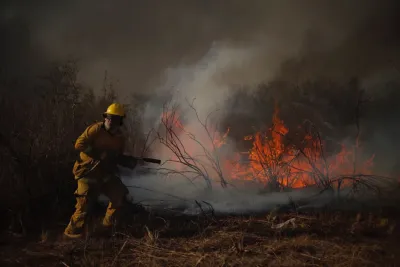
[270,239]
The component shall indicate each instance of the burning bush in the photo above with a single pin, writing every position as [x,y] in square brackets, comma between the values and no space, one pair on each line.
[275,160]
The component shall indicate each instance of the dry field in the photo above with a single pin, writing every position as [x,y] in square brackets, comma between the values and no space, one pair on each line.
[317,238]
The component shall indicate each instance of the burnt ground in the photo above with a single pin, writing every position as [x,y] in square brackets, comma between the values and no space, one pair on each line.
[313,238]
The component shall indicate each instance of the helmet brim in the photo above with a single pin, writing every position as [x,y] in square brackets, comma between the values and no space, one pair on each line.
[105,115]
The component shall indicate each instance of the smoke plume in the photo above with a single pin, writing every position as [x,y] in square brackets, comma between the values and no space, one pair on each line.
[201,49]
[137,41]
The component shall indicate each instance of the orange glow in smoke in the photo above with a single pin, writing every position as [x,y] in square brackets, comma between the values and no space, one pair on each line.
[271,161]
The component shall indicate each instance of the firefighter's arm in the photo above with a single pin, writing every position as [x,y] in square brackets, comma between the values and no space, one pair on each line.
[85,141]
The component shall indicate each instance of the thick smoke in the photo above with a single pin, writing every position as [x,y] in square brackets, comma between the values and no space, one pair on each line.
[137,40]
[201,49]
[155,192]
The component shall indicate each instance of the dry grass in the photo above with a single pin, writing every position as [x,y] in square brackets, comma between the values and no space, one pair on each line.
[310,240]
[37,189]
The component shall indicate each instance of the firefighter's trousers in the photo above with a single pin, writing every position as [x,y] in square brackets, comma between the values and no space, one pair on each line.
[87,193]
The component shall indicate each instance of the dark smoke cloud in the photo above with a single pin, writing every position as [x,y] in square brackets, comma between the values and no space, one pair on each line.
[370,49]
[136,40]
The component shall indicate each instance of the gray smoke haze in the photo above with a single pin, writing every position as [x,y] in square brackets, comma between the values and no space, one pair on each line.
[156,192]
[137,40]
[201,49]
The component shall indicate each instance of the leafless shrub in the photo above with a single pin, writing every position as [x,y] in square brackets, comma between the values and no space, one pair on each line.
[328,177]
[195,166]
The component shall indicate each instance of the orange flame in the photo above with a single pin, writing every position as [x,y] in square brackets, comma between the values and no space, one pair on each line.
[272,162]
[219,141]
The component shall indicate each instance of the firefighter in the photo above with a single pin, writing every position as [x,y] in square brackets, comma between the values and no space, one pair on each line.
[101,148]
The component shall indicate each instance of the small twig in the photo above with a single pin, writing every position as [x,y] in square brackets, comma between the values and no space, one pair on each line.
[200,260]
[145,146]
[211,207]
[119,252]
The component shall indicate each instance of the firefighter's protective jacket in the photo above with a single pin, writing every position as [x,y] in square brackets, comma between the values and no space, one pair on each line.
[100,152]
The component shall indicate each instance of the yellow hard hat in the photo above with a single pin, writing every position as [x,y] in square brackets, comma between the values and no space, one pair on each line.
[115,109]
